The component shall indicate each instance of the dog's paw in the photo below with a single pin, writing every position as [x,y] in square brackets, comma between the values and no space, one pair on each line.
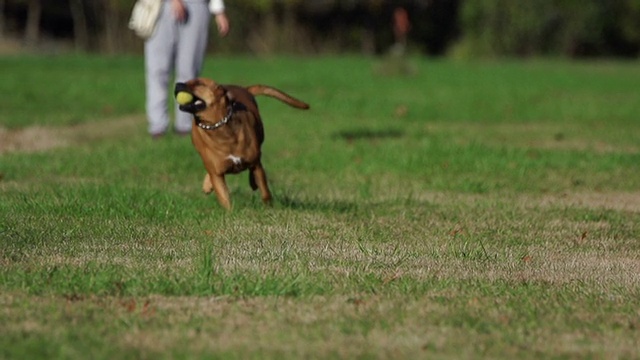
[207,186]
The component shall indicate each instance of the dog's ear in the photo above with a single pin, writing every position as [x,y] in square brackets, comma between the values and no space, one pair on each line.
[222,91]
[219,91]
[229,95]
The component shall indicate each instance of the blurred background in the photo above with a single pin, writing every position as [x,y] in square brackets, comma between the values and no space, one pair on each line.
[451,28]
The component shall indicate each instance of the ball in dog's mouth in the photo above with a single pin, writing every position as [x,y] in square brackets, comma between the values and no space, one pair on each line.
[184,98]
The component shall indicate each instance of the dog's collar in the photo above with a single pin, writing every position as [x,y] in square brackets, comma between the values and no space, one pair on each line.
[206,126]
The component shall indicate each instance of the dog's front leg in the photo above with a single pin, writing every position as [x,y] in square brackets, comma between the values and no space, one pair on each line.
[222,192]
[207,186]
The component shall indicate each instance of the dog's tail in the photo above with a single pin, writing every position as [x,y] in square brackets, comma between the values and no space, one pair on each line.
[275,93]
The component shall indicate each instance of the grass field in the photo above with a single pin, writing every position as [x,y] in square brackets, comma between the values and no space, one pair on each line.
[471,210]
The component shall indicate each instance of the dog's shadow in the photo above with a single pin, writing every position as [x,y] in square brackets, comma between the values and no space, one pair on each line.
[368,134]
[246,199]
[334,206]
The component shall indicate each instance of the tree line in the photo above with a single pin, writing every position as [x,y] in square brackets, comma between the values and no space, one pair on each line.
[460,28]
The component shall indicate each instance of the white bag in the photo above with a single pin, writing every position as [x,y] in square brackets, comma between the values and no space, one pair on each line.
[144,16]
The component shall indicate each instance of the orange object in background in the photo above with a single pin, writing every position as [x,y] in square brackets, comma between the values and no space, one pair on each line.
[401,24]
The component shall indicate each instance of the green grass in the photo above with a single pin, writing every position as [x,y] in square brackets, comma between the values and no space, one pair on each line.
[485,209]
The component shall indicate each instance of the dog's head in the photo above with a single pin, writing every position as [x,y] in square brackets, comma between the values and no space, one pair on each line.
[201,96]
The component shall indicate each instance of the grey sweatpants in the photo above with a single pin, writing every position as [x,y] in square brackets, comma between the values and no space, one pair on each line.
[176,49]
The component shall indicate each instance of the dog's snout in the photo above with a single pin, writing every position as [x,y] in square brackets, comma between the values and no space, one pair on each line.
[180,87]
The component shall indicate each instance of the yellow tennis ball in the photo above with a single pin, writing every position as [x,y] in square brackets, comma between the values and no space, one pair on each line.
[184,98]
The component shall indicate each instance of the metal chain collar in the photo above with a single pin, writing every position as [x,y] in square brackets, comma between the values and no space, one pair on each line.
[222,122]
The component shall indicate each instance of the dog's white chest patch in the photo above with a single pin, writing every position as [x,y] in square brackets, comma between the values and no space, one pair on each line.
[235,159]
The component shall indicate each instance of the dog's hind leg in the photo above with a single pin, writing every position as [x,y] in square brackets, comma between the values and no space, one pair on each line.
[252,181]
[222,192]
[258,178]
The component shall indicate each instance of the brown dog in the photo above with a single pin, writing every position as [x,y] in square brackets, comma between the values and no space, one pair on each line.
[228,131]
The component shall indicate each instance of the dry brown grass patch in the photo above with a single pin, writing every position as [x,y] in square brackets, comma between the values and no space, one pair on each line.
[41,138]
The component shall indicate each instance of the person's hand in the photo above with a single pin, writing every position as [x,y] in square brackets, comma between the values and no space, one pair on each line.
[223,24]
[179,10]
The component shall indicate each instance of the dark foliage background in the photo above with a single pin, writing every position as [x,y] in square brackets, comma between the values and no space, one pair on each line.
[459,28]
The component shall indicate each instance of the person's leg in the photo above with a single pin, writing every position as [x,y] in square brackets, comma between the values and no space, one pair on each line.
[159,51]
[191,48]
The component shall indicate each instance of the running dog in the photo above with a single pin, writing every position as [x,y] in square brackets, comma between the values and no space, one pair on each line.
[228,131]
